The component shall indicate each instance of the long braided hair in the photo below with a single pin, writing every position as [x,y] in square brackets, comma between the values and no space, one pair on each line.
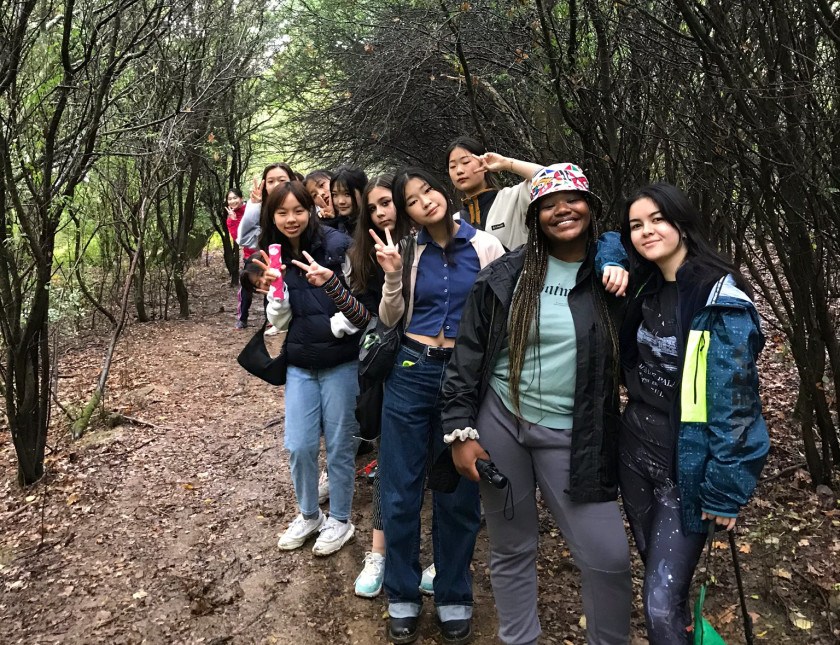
[525,307]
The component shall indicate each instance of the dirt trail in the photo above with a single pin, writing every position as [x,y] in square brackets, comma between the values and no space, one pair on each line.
[166,533]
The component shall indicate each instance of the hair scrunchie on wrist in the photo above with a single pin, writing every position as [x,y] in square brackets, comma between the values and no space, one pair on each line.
[460,435]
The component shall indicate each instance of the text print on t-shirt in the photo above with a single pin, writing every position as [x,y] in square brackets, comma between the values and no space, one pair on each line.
[658,353]
[561,293]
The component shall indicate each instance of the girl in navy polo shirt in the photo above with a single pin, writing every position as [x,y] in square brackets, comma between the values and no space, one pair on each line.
[447,256]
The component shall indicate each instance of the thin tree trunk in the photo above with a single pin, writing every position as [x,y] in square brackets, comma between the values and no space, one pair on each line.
[81,424]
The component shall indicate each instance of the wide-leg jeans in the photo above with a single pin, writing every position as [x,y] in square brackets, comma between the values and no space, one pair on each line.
[411,437]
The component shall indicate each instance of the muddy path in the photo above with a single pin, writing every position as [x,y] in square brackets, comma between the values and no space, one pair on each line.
[164,529]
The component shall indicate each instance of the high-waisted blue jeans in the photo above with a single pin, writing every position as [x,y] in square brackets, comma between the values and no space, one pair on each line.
[411,436]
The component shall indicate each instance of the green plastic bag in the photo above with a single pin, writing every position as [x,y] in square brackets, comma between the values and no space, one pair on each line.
[704,633]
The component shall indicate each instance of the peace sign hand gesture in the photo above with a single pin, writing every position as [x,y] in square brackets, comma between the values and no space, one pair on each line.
[256,191]
[314,272]
[269,275]
[230,212]
[387,253]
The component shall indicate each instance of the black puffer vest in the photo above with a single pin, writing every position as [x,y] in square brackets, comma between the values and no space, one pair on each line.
[310,343]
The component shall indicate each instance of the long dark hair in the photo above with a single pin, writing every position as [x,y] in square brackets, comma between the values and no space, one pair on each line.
[678,211]
[361,254]
[401,179]
[472,145]
[351,179]
[525,306]
[270,234]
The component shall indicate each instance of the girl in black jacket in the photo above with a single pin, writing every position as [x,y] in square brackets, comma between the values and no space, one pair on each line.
[535,372]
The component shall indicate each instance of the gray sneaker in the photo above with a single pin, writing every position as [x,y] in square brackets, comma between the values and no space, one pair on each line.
[333,536]
[299,532]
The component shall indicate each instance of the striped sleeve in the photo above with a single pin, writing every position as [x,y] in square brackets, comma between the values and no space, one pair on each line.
[347,303]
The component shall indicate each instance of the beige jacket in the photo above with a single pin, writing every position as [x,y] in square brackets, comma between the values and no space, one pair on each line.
[506,219]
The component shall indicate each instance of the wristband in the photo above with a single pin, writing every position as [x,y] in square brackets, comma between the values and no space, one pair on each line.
[460,435]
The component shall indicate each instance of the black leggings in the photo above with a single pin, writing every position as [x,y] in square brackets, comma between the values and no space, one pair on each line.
[652,504]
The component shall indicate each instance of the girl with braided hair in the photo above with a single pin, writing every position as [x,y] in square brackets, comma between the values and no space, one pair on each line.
[535,372]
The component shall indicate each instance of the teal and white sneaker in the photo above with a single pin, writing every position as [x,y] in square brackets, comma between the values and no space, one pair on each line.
[427,582]
[369,581]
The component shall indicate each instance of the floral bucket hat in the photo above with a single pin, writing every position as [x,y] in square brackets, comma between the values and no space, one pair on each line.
[559,177]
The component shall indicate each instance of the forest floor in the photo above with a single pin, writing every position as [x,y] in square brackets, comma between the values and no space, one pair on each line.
[163,529]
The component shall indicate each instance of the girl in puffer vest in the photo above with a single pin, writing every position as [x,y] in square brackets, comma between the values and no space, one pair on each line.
[322,346]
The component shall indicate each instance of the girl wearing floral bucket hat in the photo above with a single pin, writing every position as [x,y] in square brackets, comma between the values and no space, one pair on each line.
[533,386]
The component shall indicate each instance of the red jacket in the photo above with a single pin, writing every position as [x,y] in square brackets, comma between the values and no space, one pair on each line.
[233,222]
[233,228]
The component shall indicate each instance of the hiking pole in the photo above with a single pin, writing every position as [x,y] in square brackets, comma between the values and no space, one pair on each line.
[748,631]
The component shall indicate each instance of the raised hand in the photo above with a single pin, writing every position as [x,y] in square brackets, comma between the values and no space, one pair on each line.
[269,275]
[493,162]
[615,279]
[256,191]
[230,212]
[387,253]
[314,272]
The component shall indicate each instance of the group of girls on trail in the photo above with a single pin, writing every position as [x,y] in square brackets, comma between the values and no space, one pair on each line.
[517,326]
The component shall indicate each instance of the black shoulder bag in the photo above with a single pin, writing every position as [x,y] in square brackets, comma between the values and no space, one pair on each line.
[380,344]
[378,350]
[255,359]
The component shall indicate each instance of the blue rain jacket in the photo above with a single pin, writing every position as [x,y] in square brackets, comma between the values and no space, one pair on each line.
[722,440]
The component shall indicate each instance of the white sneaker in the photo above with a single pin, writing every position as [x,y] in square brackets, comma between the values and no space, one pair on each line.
[299,531]
[427,582]
[323,487]
[333,536]
[369,581]
[271,331]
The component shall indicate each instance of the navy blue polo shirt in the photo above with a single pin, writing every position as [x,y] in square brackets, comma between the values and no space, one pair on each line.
[443,284]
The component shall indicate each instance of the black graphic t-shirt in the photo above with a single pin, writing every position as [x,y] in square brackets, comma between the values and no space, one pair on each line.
[656,373]
[648,440]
